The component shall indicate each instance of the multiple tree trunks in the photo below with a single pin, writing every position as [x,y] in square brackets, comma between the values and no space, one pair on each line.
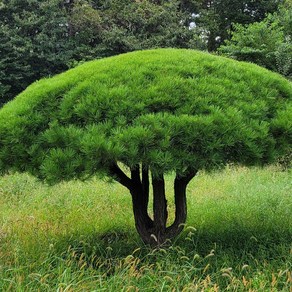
[154,231]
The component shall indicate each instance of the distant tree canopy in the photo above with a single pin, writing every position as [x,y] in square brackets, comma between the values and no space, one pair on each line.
[148,113]
[267,43]
[217,16]
[33,43]
[41,38]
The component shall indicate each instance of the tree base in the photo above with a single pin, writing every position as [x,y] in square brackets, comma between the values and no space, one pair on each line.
[155,232]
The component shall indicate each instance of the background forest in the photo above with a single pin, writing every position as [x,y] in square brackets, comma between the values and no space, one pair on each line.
[40,38]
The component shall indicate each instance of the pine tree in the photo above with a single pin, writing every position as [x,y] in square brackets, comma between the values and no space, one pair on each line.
[138,116]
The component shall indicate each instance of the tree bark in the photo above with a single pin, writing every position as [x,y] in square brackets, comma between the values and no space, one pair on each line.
[180,186]
[140,199]
[159,209]
[154,232]
[145,184]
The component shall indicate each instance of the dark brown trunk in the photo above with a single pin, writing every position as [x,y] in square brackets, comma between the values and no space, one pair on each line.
[145,186]
[159,209]
[140,199]
[180,186]
[143,222]
[154,232]
[180,208]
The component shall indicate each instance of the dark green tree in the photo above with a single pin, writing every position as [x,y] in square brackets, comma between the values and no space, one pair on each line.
[85,31]
[217,16]
[33,43]
[266,43]
[42,38]
[134,25]
[148,113]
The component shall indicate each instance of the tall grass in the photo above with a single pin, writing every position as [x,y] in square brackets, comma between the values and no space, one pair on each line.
[80,236]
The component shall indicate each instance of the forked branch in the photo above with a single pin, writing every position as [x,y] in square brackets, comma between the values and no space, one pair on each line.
[180,185]
[117,174]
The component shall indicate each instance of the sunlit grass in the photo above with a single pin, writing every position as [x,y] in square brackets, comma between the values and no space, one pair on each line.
[81,237]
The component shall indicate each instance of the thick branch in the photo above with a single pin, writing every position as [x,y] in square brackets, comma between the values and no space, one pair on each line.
[140,198]
[117,174]
[135,174]
[187,176]
[159,204]
[145,184]
[180,185]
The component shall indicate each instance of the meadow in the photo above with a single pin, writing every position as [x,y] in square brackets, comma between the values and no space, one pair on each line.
[80,236]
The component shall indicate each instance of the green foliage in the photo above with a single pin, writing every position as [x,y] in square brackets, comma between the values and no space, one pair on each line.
[238,236]
[216,17]
[166,109]
[33,43]
[266,43]
[283,56]
[256,42]
[135,25]
[42,38]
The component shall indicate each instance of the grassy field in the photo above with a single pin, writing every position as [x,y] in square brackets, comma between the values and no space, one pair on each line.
[80,236]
